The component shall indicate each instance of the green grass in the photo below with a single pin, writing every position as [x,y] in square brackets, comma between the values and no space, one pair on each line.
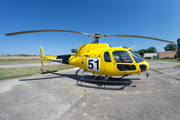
[85,90]
[18,61]
[165,60]
[162,68]
[156,70]
[6,73]
[163,73]
[177,66]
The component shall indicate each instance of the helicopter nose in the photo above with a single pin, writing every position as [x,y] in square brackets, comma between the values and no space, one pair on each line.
[143,67]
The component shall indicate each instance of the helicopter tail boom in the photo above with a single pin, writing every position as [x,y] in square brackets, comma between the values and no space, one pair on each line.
[64,59]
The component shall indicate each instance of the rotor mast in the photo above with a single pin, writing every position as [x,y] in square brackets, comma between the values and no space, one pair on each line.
[97,37]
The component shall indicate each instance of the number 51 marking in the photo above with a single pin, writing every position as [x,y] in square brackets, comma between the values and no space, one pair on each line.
[93,64]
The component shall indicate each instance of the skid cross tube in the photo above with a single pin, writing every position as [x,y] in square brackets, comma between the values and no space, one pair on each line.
[102,81]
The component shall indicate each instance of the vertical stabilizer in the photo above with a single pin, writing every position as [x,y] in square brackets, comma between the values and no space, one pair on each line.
[42,56]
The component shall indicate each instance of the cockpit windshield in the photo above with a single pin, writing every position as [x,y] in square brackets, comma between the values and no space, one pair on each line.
[122,56]
[136,57]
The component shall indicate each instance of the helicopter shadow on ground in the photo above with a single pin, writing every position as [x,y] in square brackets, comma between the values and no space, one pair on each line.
[119,84]
[59,76]
[112,84]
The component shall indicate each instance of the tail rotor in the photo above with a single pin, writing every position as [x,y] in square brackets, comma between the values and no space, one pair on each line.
[42,56]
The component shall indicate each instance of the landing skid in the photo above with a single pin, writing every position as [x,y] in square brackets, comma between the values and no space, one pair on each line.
[103,81]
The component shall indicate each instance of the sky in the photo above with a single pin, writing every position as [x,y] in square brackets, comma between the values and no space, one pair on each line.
[153,18]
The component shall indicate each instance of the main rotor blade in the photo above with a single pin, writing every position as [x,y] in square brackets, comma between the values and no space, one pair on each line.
[137,36]
[37,31]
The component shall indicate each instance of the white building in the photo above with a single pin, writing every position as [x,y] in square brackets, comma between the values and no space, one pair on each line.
[150,55]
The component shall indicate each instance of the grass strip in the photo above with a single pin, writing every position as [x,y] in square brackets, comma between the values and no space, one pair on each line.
[164,60]
[19,61]
[6,73]
[178,66]
[156,71]
[163,73]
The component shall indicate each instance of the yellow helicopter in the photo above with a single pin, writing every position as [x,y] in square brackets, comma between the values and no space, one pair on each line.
[100,58]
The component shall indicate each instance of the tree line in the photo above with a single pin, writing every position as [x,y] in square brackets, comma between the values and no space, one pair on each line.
[149,50]
[169,47]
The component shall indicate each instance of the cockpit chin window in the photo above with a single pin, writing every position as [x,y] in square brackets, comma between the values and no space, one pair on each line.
[122,57]
[136,57]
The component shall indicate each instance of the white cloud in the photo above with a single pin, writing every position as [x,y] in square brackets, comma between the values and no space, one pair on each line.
[161,47]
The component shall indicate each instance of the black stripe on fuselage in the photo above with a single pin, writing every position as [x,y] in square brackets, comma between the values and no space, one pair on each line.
[65,58]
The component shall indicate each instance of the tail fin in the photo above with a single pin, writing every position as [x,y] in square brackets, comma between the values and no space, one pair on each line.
[42,56]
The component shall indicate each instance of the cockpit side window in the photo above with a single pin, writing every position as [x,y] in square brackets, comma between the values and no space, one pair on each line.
[122,57]
[107,57]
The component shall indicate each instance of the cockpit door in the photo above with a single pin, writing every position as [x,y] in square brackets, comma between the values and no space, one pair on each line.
[108,63]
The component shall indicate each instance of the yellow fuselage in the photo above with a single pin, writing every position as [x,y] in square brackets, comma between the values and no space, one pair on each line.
[93,56]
